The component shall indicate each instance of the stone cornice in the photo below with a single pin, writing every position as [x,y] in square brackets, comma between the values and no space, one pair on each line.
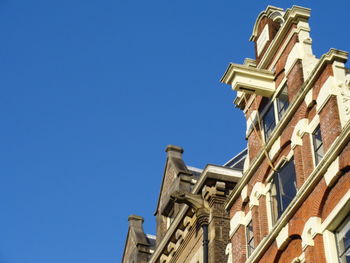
[329,57]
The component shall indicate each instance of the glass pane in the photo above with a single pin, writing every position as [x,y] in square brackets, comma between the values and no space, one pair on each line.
[318,145]
[287,184]
[283,189]
[269,122]
[282,102]
[343,241]
[250,238]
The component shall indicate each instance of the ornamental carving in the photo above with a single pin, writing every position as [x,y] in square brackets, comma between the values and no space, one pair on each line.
[345,94]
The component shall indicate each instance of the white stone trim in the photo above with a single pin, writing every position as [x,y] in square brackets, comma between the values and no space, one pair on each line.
[326,91]
[331,173]
[300,259]
[282,237]
[330,247]
[244,193]
[257,191]
[252,120]
[247,218]
[311,228]
[338,213]
[300,128]
[313,124]
[263,39]
[293,56]
[343,98]
[308,98]
[228,252]
[333,220]
[276,147]
[235,221]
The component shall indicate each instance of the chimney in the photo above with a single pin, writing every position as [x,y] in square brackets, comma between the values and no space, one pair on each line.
[174,151]
[135,221]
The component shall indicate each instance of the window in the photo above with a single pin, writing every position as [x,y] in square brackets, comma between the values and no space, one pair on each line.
[318,145]
[282,102]
[343,241]
[273,112]
[250,238]
[269,122]
[283,189]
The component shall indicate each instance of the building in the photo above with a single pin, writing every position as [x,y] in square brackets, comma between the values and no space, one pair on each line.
[292,203]
[286,198]
[192,224]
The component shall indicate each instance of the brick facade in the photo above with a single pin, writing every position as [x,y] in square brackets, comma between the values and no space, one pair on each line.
[302,229]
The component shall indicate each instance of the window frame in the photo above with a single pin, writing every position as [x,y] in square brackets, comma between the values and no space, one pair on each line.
[276,210]
[278,102]
[273,104]
[250,238]
[317,160]
[345,224]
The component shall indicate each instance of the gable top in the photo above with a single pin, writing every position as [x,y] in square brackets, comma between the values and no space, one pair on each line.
[174,159]
[275,13]
[136,238]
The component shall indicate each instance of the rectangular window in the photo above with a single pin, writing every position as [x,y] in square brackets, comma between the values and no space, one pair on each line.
[283,189]
[250,238]
[318,145]
[269,122]
[343,241]
[282,102]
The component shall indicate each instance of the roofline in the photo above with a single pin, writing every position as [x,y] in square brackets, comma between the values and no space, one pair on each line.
[245,149]
[210,172]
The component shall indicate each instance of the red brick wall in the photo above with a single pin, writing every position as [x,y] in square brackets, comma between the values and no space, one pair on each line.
[273,28]
[330,122]
[239,246]
[295,80]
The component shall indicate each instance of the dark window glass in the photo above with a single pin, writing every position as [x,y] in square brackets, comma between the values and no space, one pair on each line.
[282,102]
[269,122]
[250,238]
[283,188]
[318,145]
[343,241]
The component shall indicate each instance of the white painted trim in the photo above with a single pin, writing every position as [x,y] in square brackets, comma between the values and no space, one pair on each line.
[332,172]
[244,194]
[330,247]
[326,91]
[333,220]
[276,147]
[236,221]
[311,228]
[299,130]
[257,191]
[338,213]
[282,237]
[308,98]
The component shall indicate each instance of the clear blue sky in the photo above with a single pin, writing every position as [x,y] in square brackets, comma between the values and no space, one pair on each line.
[93,91]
